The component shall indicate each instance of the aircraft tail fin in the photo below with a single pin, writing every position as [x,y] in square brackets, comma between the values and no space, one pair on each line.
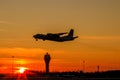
[71,33]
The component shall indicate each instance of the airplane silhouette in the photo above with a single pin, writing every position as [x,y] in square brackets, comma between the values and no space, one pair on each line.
[56,37]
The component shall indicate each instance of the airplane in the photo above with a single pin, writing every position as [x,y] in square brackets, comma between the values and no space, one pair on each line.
[56,37]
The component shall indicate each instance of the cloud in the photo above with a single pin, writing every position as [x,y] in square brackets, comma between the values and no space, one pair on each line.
[2,27]
[4,22]
[2,30]
[101,37]
[21,52]
[31,53]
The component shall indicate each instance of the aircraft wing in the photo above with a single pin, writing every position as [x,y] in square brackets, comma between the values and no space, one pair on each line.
[56,34]
[61,33]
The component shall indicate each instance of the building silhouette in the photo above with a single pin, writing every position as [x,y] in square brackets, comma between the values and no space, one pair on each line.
[47,59]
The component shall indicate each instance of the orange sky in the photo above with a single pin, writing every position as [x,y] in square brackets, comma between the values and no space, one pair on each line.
[96,22]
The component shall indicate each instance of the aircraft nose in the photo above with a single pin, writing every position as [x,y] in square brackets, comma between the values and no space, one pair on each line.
[34,36]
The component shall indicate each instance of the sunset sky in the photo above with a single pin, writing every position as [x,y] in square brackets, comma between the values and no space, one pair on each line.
[96,22]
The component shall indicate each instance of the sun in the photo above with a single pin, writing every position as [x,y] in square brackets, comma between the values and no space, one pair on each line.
[21,70]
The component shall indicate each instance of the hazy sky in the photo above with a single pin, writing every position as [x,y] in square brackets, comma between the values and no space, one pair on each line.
[96,22]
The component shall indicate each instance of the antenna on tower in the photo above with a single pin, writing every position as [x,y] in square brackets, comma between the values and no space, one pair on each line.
[98,68]
[83,66]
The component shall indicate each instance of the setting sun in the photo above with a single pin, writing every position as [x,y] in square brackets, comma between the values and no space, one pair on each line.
[22,70]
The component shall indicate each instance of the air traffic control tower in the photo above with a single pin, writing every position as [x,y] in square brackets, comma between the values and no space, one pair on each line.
[47,61]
